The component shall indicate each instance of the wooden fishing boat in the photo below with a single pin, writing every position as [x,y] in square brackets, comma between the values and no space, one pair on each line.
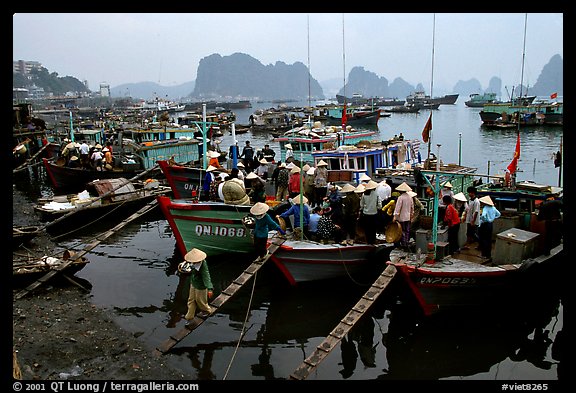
[464,280]
[460,281]
[303,261]
[99,198]
[184,180]
[214,227]
[66,178]
[350,162]
[313,137]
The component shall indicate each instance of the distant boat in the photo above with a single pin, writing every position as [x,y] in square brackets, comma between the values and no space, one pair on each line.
[502,114]
[354,116]
[419,97]
[358,99]
[478,100]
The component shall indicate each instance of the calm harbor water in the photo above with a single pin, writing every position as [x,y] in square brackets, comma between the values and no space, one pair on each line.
[133,274]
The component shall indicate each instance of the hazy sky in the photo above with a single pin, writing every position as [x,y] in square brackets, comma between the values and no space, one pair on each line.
[166,48]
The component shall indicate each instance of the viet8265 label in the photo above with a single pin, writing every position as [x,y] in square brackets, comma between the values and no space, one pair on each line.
[216,230]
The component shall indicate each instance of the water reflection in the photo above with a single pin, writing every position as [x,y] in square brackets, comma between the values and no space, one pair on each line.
[470,343]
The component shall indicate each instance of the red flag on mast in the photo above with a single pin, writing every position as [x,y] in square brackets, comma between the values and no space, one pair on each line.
[553,95]
[427,129]
[514,164]
[344,118]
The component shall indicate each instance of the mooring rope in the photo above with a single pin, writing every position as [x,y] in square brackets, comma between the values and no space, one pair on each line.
[243,331]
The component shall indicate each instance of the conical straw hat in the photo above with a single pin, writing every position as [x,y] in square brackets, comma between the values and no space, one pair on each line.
[487,200]
[403,187]
[195,255]
[259,208]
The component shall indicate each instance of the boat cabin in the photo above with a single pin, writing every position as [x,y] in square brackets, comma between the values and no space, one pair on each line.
[350,162]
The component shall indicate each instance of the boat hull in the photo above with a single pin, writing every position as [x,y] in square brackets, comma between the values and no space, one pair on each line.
[214,227]
[456,284]
[63,177]
[185,182]
[304,261]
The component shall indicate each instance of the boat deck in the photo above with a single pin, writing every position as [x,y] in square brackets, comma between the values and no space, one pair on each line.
[467,259]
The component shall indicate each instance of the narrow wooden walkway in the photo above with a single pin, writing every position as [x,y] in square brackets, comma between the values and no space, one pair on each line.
[323,350]
[224,296]
[97,240]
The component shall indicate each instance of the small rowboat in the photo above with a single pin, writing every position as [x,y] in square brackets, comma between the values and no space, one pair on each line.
[24,272]
[24,233]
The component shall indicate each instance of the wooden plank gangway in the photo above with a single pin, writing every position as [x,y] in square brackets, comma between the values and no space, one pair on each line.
[353,316]
[97,240]
[222,298]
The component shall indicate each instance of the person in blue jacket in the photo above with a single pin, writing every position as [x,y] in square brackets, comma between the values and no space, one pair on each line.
[264,224]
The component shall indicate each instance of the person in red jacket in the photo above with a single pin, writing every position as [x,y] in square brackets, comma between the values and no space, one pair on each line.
[452,220]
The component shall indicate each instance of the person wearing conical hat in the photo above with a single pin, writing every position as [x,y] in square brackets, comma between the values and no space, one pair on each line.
[294,211]
[262,169]
[200,283]
[370,203]
[213,159]
[320,182]
[211,171]
[257,192]
[404,213]
[289,153]
[264,224]
[487,216]
[96,158]
[294,182]
[308,182]
[461,205]
[445,190]
[350,210]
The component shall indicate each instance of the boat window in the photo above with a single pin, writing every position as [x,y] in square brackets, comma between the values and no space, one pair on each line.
[334,164]
[351,163]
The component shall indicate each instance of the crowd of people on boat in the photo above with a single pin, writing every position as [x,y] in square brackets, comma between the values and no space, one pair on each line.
[345,213]
[86,156]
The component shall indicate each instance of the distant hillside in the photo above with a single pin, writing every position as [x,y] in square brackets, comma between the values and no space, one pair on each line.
[49,81]
[551,79]
[242,76]
[151,90]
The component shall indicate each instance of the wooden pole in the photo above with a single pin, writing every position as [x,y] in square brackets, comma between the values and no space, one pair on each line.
[561,162]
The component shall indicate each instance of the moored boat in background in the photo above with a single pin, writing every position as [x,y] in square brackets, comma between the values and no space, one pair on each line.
[478,100]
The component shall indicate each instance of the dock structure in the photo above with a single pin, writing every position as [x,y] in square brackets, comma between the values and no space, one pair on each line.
[323,350]
[97,240]
[222,298]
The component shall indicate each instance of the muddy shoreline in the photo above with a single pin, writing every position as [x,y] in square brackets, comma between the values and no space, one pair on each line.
[59,334]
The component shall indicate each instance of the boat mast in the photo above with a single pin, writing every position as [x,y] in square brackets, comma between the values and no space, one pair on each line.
[513,177]
[309,76]
[344,88]
[432,83]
